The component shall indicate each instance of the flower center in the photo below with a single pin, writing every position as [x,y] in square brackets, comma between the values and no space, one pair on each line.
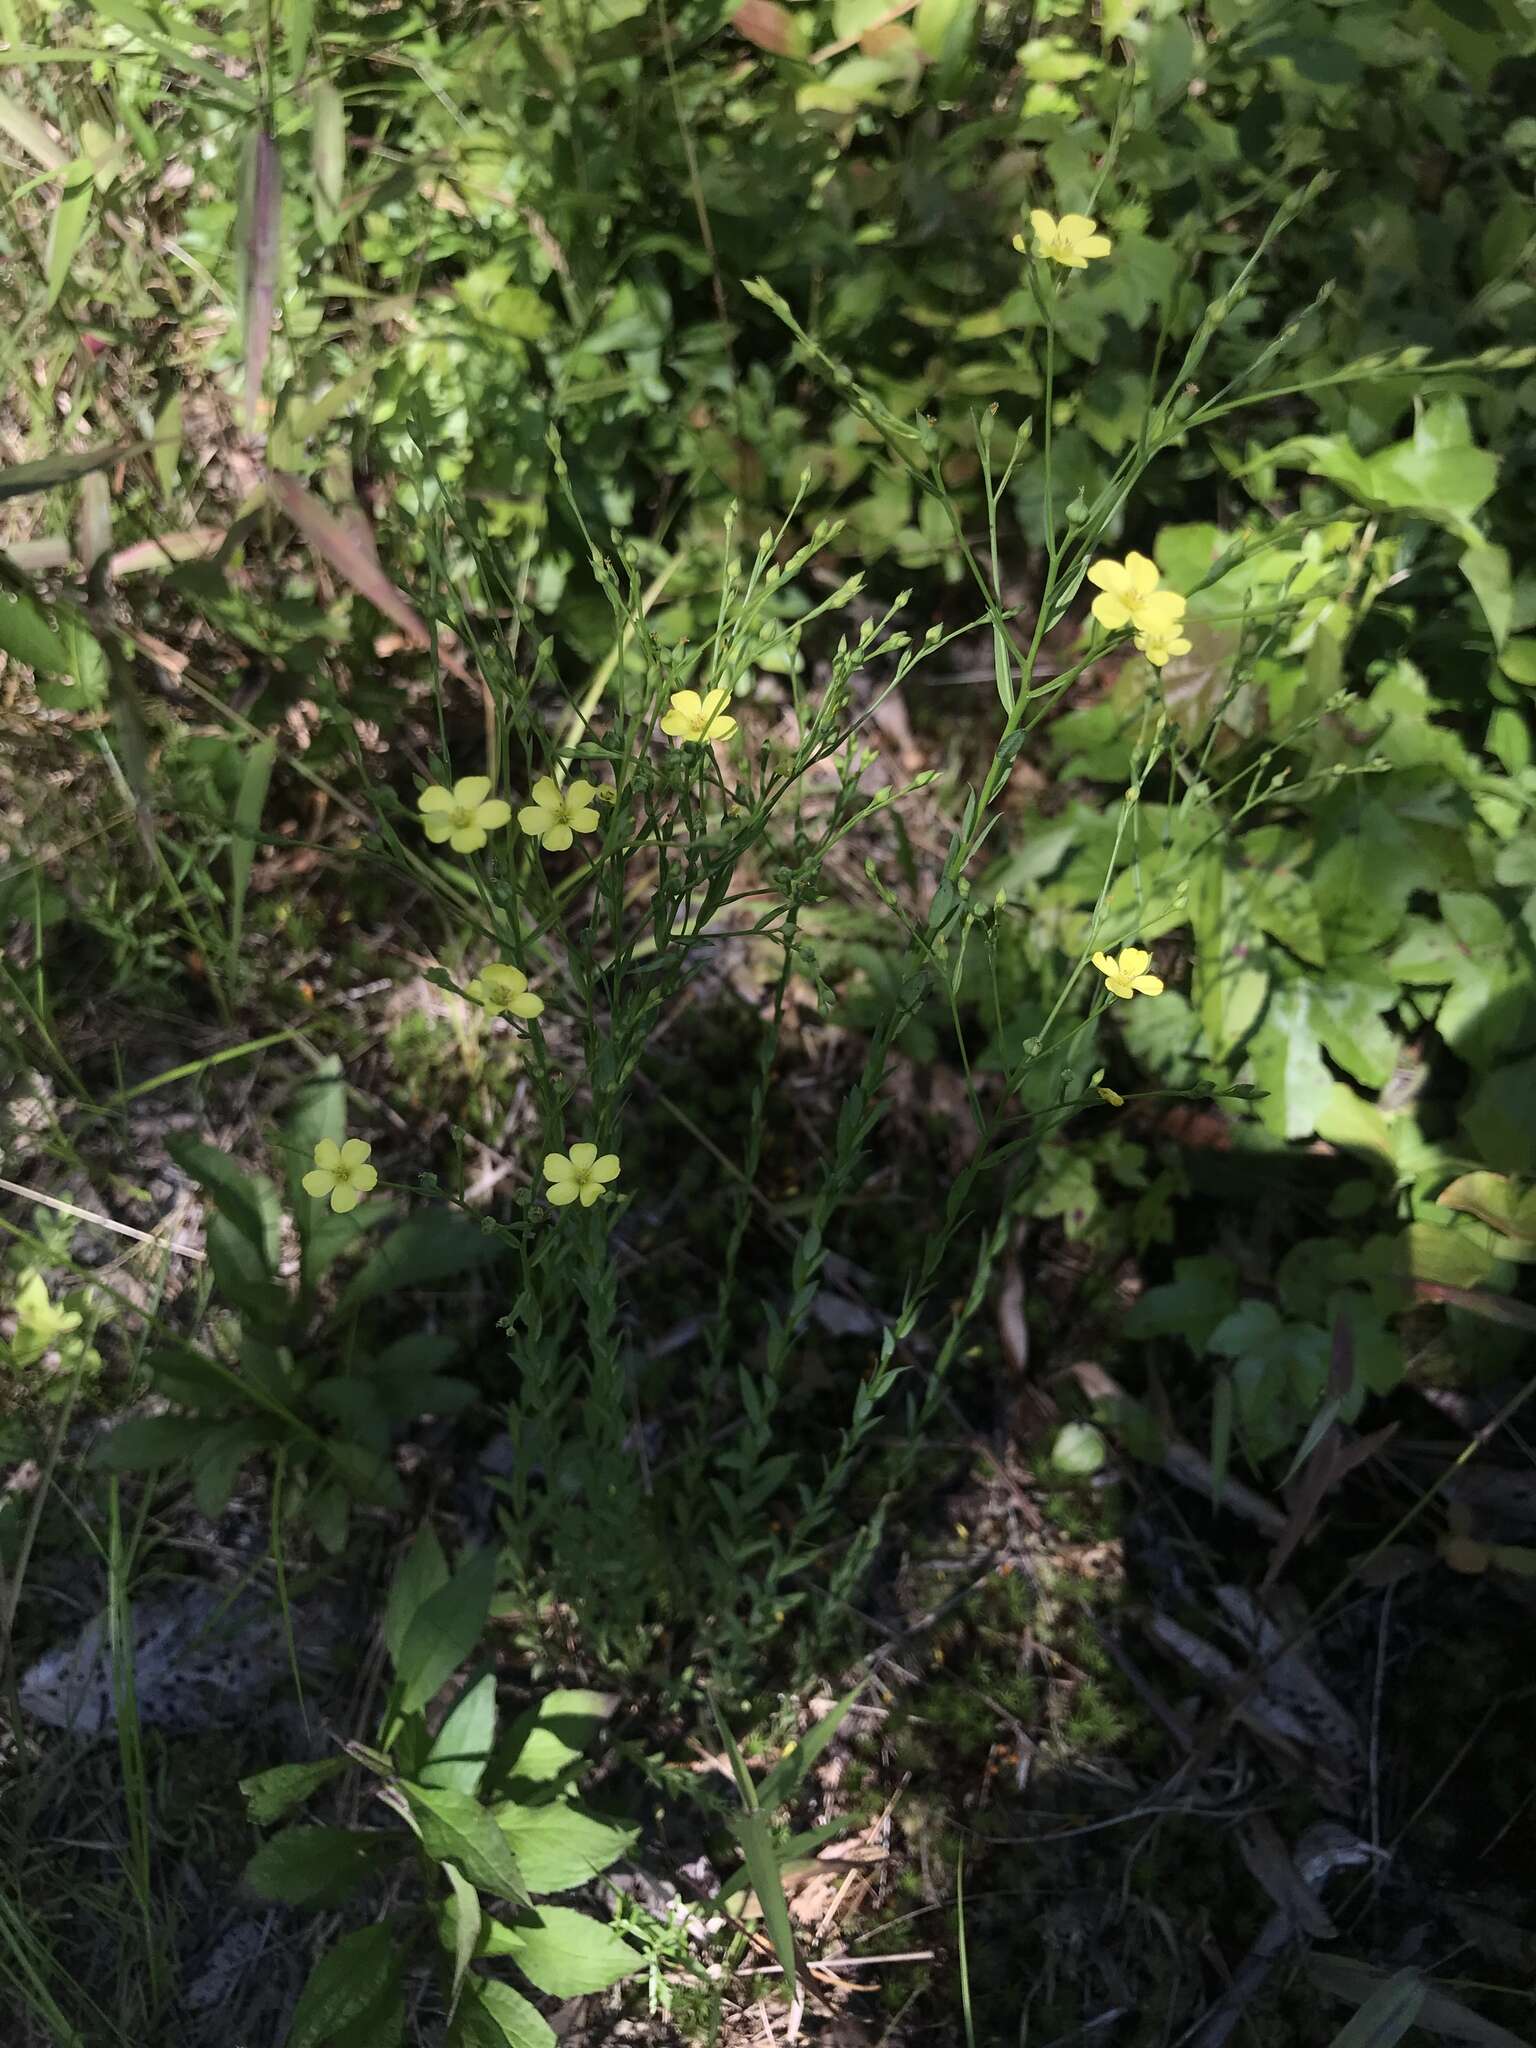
[463,817]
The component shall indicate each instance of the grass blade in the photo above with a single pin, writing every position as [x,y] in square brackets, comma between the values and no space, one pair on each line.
[261,204]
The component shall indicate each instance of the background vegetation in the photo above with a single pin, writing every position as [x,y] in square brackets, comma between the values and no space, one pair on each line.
[1011,1518]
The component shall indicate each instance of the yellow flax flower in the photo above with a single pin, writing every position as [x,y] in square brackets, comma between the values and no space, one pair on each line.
[1073,241]
[695,719]
[556,813]
[579,1177]
[462,815]
[342,1172]
[1161,641]
[503,991]
[1112,1096]
[1129,596]
[1127,976]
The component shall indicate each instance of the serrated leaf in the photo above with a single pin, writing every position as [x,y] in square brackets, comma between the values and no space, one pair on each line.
[495,2016]
[270,1794]
[421,1572]
[547,1742]
[444,1630]
[559,1845]
[464,1922]
[566,1953]
[317,1866]
[352,1986]
[462,1746]
[457,1829]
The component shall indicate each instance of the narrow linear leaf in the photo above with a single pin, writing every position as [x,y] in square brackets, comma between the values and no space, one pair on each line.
[258,231]
[66,229]
[751,1831]
[464,1918]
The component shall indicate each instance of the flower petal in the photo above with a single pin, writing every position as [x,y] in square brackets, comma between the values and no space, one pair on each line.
[466,839]
[1133,961]
[526,1006]
[364,1178]
[490,817]
[1147,985]
[328,1153]
[1141,573]
[318,1181]
[535,818]
[590,1193]
[344,1197]
[1119,988]
[470,790]
[546,791]
[437,829]
[606,1168]
[557,839]
[561,1192]
[435,799]
[1096,245]
[558,1167]
[1104,963]
[355,1152]
[581,821]
[1043,223]
[578,796]
[582,1156]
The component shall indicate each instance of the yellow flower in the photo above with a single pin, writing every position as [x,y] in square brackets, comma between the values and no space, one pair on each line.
[579,1177]
[1110,1095]
[1073,241]
[342,1172]
[696,719]
[503,990]
[1161,642]
[1129,596]
[1128,976]
[462,815]
[556,813]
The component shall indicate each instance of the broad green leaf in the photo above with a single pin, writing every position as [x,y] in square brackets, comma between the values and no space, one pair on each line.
[348,1997]
[1345,1013]
[1501,1116]
[1448,1257]
[462,1747]
[226,1448]
[944,29]
[547,1742]
[464,1921]
[1487,570]
[445,1629]
[566,1953]
[1504,1205]
[271,1794]
[1079,1450]
[1288,1066]
[1517,660]
[1202,1292]
[436,1245]
[240,1276]
[317,1866]
[559,1845]
[455,1828]
[422,1571]
[495,2016]
[249,1200]
[144,1442]
[27,635]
